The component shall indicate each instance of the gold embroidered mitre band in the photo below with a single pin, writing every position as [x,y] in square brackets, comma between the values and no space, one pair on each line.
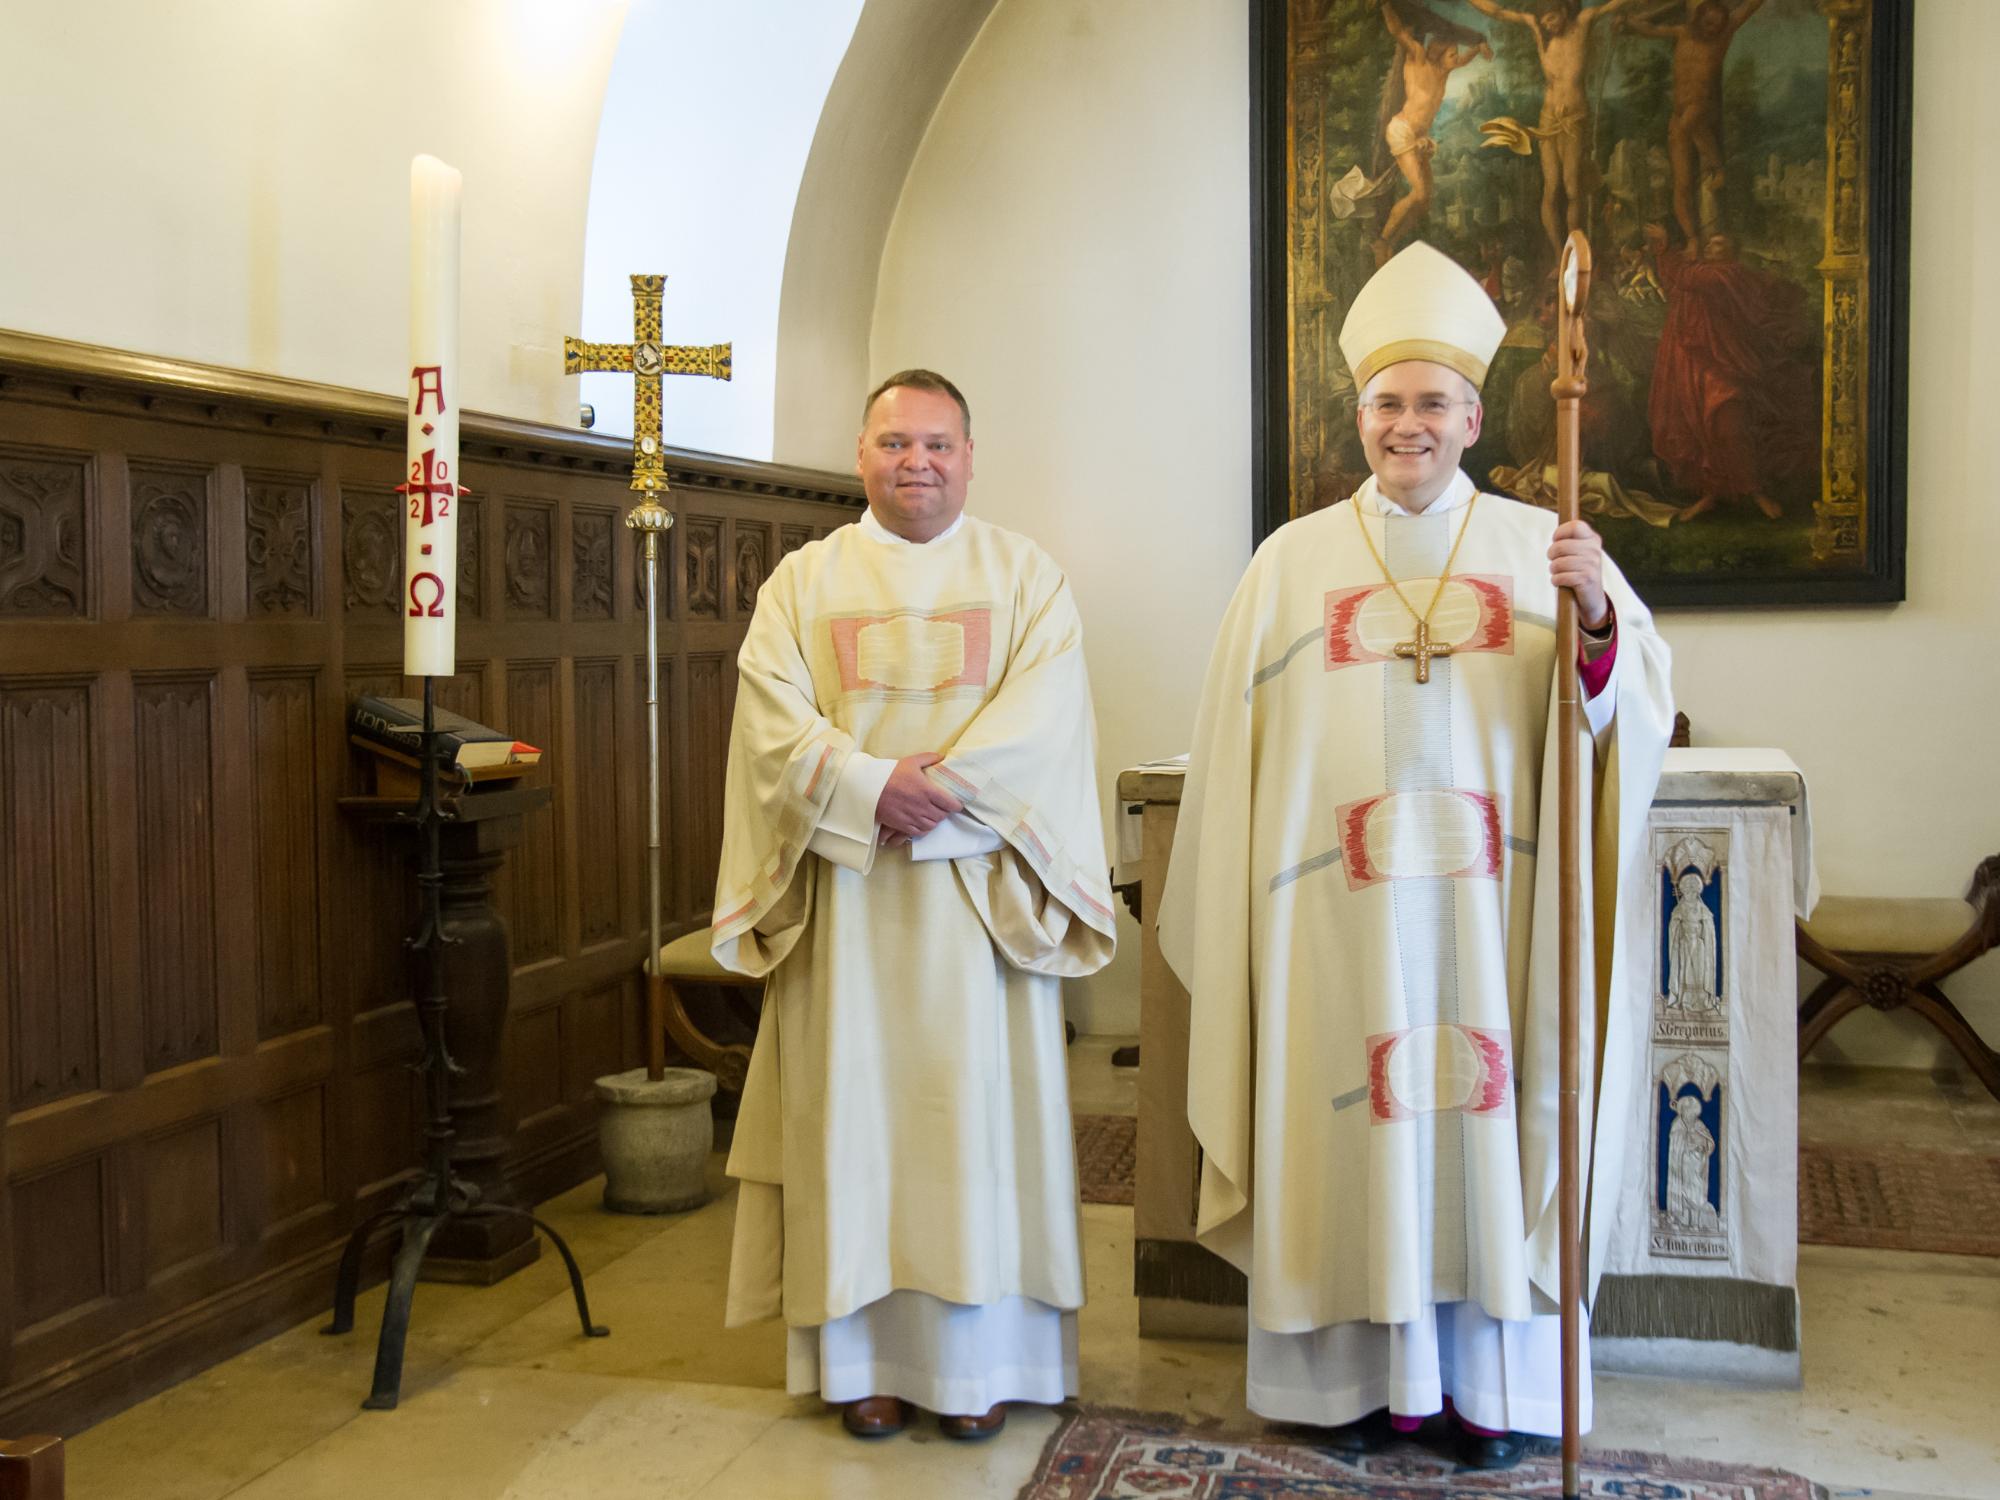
[1422,305]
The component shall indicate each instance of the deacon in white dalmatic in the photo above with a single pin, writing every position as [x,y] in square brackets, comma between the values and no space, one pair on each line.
[913,855]
[1362,905]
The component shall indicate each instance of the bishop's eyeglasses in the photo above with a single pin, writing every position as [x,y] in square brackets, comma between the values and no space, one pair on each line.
[1427,408]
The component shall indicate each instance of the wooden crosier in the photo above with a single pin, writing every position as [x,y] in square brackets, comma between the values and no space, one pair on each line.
[1572,356]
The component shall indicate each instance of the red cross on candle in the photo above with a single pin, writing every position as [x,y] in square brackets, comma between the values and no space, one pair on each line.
[430,480]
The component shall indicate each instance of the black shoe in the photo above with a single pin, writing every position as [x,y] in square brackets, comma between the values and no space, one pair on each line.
[1369,1434]
[1478,1450]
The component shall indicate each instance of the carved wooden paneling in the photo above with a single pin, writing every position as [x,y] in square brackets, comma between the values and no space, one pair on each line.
[371,551]
[708,678]
[170,541]
[595,1032]
[181,1176]
[173,753]
[598,779]
[704,567]
[62,1251]
[533,1087]
[43,502]
[753,564]
[534,912]
[791,538]
[281,527]
[48,855]
[293,1129]
[284,850]
[384,1129]
[529,559]
[464,693]
[231,1082]
[593,547]
[471,554]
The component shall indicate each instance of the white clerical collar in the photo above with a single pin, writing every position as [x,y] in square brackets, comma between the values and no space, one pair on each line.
[1374,503]
[876,531]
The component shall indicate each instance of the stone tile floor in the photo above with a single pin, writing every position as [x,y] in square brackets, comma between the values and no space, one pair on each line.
[503,1400]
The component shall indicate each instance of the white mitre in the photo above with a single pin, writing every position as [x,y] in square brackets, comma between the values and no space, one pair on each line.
[1422,305]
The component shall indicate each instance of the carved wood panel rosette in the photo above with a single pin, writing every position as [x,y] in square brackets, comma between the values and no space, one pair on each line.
[42,506]
[371,551]
[753,563]
[704,567]
[791,538]
[471,575]
[1841,510]
[527,555]
[593,544]
[169,541]
[278,545]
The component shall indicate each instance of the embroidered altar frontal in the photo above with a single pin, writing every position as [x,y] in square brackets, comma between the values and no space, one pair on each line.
[1702,1270]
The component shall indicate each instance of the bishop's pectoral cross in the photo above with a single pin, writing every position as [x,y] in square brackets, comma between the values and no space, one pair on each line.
[647,359]
[1423,648]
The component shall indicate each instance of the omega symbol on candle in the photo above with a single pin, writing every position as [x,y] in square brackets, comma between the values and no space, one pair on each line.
[433,608]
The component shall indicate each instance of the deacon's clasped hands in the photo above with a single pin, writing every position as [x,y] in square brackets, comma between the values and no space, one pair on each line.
[912,804]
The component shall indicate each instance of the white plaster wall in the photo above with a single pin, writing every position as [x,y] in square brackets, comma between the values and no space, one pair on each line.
[708,119]
[1071,245]
[227,181]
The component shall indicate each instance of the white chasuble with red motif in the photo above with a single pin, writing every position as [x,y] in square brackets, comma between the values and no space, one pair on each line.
[1361,903]
[905,1125]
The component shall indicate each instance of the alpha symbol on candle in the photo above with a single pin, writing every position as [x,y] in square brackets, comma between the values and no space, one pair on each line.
[430,382]
[432,608]
[430,479]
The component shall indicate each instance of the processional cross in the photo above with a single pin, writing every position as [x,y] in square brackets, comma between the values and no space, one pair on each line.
[646,358]
[1423,648]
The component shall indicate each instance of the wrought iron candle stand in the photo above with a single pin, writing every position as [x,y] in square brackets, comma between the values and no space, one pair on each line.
[437,1195]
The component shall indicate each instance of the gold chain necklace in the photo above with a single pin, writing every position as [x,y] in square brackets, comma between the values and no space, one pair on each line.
[1423,648]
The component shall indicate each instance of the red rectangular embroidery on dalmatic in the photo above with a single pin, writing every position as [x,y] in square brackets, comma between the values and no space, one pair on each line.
[1475,613]
[913,653]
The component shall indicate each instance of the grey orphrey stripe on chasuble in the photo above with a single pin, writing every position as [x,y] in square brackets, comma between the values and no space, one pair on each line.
[1416,757]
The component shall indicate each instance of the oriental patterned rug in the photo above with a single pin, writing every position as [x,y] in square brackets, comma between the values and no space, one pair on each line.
[1893,1198]
[1107,1153]
[1101,1454]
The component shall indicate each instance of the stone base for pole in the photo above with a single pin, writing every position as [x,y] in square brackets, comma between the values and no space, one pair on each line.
[655,1137]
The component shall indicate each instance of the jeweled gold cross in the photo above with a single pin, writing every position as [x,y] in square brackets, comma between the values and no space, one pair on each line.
[1423,648]
[647,359]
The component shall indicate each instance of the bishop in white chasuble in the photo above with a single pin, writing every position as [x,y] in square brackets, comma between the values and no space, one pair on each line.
[908,1198]
[1362,905]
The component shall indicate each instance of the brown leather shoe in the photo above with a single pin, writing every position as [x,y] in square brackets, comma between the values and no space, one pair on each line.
[969,1429]
[873,1416]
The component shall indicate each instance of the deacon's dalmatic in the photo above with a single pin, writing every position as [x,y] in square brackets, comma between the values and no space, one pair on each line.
[905,1125]
[1362,895]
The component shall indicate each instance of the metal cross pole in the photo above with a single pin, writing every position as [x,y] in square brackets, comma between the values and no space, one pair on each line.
[1572,356]
[647,359]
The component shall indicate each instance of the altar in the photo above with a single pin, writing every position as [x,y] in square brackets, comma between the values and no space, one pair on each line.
[1701,1274]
